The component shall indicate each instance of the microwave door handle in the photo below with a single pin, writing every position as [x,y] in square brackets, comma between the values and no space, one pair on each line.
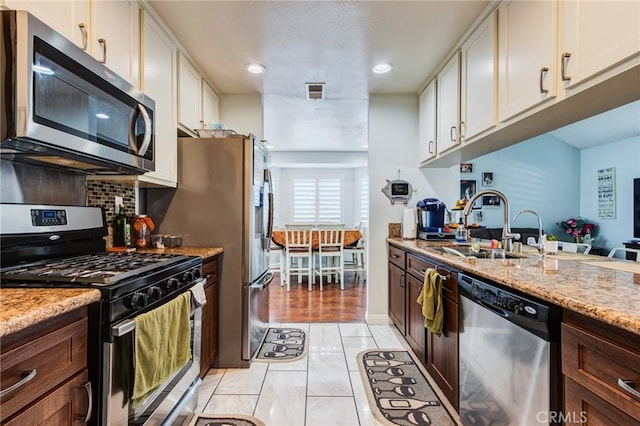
[146,139]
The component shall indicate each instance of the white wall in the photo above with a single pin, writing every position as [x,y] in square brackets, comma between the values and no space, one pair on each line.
[393,132]
[242,113]
[625,157]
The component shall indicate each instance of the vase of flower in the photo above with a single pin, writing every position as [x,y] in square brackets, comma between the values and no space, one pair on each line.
[577,228]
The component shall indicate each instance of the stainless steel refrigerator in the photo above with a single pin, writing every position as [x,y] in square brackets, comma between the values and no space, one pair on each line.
[224,199]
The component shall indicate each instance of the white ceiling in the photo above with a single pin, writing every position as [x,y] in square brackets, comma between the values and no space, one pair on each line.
[336,42]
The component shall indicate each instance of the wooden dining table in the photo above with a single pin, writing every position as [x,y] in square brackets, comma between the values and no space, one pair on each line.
[351,236]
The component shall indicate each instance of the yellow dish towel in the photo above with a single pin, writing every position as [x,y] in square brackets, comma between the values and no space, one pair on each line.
[430,298]
[162,344]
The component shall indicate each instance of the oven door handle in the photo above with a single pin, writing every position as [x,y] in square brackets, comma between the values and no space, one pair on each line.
[122,328]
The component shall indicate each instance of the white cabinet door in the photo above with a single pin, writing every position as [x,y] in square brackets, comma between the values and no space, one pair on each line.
[210,105]
[115,39]
[428,122]
[479,80]
[159,82]
[69,18]
[448,105]
[595,35]
[527,55]
[189,92]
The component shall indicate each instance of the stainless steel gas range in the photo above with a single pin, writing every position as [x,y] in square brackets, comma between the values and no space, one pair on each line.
[63,246]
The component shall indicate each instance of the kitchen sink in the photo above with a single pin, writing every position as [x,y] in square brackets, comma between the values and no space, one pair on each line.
[466,252]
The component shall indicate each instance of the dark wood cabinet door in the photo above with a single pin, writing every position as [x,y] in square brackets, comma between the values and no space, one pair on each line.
[584,407]
[210,320]
[416,333]
[397,297]
[442,353]
[66,405]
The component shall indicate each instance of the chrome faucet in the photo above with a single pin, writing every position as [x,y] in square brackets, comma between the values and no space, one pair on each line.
[540,244]
[507,235]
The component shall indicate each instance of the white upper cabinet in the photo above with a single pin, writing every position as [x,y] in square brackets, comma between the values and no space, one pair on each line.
[115,39]
[595,35]
[189,95]
[69,18]
[428,122]
[108,30]
[479,80]
[210,105]
[159,82]
[448,105]
[527,55]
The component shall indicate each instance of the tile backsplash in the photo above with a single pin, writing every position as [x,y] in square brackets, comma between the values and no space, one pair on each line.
[102,193]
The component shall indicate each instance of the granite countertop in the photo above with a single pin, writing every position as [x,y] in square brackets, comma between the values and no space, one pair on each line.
[579,283]
[22,307]
[204,252]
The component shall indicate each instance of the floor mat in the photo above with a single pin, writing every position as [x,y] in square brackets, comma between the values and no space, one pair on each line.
[282,344]
[224,420]
[398,392]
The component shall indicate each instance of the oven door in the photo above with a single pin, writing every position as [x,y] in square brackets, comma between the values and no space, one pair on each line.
[175,397]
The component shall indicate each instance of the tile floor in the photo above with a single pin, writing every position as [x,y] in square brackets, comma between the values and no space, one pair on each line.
[323,388]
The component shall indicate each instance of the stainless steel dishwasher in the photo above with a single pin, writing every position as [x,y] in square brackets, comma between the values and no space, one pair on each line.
[509,356]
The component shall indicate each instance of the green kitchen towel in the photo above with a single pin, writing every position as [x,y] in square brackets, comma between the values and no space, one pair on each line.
[162,344]
[430,298]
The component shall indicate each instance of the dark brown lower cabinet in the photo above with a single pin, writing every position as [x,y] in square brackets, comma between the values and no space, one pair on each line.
[210,320]
[601,367]
[439,354]
[397,297]
[416,333]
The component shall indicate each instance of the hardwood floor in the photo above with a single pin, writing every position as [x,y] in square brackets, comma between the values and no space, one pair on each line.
[329,305]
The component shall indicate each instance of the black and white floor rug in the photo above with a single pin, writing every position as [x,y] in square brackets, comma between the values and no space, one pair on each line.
[224,420]
[398,391]
[282,344]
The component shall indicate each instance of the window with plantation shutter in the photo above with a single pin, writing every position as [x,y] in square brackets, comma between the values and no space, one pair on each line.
[364,200]
[317,200]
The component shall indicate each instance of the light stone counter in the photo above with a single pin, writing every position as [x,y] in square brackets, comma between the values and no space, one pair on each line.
[23,307]
[609,295]
[203,252]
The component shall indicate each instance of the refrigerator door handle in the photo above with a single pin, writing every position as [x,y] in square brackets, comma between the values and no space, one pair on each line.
[267,281]
[267,174]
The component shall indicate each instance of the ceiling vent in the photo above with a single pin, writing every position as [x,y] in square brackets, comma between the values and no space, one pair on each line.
[315,91]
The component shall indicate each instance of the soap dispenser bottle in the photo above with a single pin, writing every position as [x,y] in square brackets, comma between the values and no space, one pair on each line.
[461,233]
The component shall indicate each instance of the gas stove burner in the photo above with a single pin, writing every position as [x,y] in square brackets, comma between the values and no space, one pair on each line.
[97,269]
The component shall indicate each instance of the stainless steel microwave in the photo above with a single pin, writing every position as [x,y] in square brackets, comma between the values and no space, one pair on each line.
[62,108]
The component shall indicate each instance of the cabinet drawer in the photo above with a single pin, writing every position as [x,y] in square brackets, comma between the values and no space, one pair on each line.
[68,404]
[417,267]
[396,256]
[597,364]
[55,357]
[586,408]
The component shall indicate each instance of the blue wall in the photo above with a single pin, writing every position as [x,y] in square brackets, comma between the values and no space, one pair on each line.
[541,174]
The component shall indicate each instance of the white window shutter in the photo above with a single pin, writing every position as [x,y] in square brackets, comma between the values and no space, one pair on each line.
[304,200]
[330,200]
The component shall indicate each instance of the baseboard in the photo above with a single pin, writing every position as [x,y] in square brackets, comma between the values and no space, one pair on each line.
[378,319]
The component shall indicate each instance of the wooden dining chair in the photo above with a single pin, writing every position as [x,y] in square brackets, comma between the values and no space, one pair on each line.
[297,249]
[356,262]
[330,253]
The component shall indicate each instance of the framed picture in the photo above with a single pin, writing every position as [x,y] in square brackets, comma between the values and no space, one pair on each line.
[490,201]
[477,216]
[466,167]
[487,178]
[468,190]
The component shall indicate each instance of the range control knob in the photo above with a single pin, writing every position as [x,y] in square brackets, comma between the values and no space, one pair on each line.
[172,284]
[154,293]
[196,273]
[187,277]
[138,301]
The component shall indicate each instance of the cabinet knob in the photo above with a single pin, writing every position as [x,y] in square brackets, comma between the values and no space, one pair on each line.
[103,45]
[83,30]
[430,147]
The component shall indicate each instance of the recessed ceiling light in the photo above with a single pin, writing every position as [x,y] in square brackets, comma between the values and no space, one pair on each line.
[102,116]
[256,68]
[382,68]
[364,145]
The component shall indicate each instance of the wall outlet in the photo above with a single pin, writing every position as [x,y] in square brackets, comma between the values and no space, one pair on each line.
[118,201]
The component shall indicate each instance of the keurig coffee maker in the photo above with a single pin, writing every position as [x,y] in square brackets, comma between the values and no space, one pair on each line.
[431,214]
